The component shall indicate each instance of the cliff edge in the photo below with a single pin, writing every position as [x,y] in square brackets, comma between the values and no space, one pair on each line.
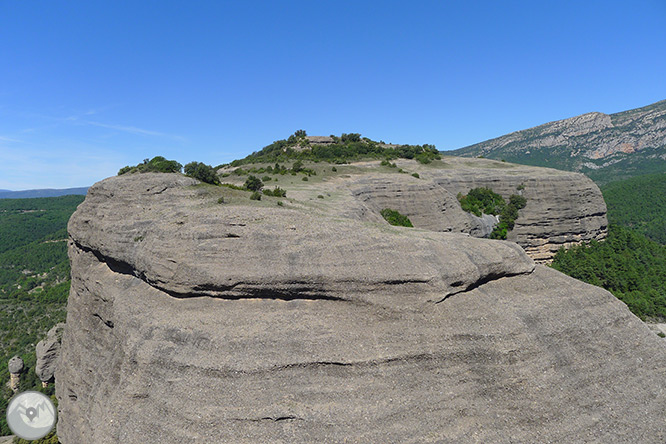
[198,315]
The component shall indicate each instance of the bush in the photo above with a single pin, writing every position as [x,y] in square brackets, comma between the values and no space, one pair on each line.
[256,196]
[305,178]
[266,179]
[416,175]
[157,164]
[320,196]
[253,183]
[277,192]
[280,203]
[297,166]
[395,218]
[220,200]
[202,172]
[481,200]
[334,169]
[485,201]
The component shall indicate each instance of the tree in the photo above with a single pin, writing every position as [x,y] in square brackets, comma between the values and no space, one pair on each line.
[202,172]
[297,166]
[253,183]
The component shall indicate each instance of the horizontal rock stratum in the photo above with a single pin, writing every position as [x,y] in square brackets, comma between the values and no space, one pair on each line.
[191,320]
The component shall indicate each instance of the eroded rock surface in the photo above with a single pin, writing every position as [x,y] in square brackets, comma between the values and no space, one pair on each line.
[245,322]
[47,352]
[563,208]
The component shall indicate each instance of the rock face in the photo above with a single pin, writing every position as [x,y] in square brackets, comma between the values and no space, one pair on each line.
[47,352]
[563,208]
[606,147]
[191,321]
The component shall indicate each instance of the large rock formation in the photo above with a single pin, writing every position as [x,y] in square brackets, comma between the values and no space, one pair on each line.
[248,322]
[47,352]
[606,147]
[15,367]
[563,208]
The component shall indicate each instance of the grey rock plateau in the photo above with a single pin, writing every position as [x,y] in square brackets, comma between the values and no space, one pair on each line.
[316,321]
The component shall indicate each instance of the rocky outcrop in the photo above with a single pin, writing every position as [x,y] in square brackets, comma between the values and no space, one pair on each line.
[47,352]
[601,145]
[563,208]
[247,322]
[15,367]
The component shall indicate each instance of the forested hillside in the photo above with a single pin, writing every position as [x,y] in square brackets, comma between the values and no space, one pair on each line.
[639,203]
[34,281]
[605,147]
[631,263]
[627,264]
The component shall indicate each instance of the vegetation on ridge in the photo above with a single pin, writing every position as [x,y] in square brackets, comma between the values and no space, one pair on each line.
[485,201]
[157,164]
[343,149]
[394,217]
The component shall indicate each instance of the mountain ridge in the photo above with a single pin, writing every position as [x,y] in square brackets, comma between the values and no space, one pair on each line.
[42,192]
[602,146]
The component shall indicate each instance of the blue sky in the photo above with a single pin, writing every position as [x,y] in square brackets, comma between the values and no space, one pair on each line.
[87,87]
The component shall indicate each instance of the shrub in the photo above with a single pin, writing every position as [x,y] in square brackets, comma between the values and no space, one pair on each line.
[157,164]
[423,158]
[305,178]
[277,192]
[202,172]
[416,175]
[220,200]
[485,201]
[297,166]
[253,183]
[233,187]
[481,200]
[334,169]
[266,179]
[395,218]
[256,196]
[280,203]
[320,196]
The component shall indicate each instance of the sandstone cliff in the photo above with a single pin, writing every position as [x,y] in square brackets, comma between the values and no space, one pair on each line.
[247,322]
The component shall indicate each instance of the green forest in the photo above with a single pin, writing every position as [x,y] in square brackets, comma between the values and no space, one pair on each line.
[34,281]
[631,262]
[640,204]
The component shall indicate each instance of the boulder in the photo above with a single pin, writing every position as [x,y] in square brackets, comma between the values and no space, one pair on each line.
[15,365]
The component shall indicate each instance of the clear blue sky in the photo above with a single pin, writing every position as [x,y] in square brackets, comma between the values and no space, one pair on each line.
[87,87]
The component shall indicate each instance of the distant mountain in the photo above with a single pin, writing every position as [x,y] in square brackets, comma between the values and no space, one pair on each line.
[606,147]
[47,192]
